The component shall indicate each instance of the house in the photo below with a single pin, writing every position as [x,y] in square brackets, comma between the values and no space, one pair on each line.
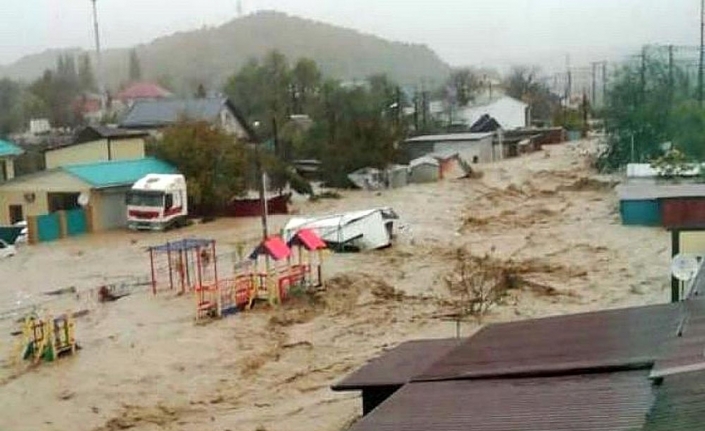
[8,153]
[358,230]
[102,186]
[141,91]
[154,115]
[638,368]
[472,147]
[88,106]
[450,164]
[507,112]
[98,144]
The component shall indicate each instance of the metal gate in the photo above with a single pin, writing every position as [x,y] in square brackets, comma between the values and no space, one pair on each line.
[113,210]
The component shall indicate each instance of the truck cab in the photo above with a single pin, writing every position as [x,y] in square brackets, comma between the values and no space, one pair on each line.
[157,202]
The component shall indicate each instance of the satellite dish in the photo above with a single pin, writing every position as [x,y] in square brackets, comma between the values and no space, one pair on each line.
[684,267]
[83,199]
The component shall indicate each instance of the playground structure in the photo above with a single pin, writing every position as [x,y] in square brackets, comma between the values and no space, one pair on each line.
[46,338]
[309,256]
[190,263]
[269,274]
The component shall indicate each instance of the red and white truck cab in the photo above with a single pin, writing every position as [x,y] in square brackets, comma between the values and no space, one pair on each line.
[157,202]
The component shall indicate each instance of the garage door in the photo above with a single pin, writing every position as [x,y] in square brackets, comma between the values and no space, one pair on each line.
[113,212]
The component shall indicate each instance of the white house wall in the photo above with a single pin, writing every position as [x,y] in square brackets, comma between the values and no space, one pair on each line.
[467,150]
[509,113]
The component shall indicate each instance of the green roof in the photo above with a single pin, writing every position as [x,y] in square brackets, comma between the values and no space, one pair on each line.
[118,173]
[9,149]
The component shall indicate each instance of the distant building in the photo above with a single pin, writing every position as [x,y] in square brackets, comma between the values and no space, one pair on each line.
[8,153]
[39,126]
[98,144]
[471,147]
[509,113]
[154,115]
[141,91]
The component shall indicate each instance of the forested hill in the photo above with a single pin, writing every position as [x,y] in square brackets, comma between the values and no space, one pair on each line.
[209,55]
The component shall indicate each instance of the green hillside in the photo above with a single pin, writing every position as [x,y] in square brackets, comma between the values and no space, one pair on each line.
[209,55]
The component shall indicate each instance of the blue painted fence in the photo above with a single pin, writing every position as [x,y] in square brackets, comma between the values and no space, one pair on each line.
[76,222]
[48,227]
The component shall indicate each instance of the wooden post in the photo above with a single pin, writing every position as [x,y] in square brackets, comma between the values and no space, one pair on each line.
[151,265]
[63,224]
[675,249]
[171,271]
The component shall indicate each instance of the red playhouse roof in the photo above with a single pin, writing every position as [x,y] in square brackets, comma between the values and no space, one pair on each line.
[273,246]
[143,90]
[309,239]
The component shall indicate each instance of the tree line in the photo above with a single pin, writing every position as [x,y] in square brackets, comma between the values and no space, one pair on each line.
[652,110]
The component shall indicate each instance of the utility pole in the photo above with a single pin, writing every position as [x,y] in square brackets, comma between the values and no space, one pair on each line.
[702,46]
[99,60]
[670,73]
[643,73]
[593,96]
[604,83]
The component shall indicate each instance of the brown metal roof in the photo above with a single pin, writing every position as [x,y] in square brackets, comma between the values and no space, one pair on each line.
[397,366]
[685,353]
[580,343]
[613,402]
[679,404]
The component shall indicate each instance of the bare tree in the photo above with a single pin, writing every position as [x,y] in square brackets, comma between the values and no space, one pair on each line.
[477,284]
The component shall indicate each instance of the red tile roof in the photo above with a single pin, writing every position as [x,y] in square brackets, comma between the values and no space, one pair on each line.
[309,239]
[599,402]
[399,365]
[142,90]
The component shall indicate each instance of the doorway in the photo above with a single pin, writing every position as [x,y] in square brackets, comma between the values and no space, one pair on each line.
[16,213]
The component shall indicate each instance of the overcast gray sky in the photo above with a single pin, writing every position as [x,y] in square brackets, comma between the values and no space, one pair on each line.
[460,31]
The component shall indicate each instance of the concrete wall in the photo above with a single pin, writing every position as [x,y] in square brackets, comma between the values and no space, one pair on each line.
[96,151]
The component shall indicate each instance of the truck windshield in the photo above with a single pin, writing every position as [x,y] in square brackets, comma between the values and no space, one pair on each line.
[145,199]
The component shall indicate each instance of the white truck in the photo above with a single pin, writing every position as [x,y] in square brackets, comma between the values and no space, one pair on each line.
[157,202]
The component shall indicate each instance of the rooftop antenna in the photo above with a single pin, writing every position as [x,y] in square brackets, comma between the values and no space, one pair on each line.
[99,60]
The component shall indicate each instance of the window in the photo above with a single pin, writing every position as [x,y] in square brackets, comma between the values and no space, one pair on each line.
[145,199]
[169,201]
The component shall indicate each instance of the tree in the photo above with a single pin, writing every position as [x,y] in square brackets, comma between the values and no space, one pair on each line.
[476,285]
[464,84]
[135,67]
[523,83]
[86,78]
[214,163]
[306,81]
[650,103]
[10,106]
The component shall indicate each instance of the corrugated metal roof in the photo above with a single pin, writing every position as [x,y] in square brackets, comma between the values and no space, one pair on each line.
[686,352]
[640,191]
[450,137]
[9,149]
[614,402]
[626,338]
[157,113]
[399,365]
[118,172]
[679,404]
